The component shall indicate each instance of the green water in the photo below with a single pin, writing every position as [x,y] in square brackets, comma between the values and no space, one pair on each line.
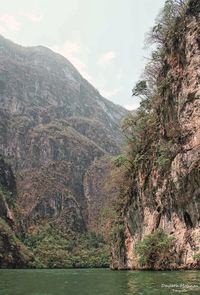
[97,282]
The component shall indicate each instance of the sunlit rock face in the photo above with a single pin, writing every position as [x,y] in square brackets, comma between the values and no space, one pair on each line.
[53,125]
[171,200]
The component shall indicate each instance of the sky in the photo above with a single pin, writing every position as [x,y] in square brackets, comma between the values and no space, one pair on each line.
[104,39]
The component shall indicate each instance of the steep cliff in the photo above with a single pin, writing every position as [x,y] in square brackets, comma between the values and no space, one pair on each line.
[163,187]
[53,126]
[12,251]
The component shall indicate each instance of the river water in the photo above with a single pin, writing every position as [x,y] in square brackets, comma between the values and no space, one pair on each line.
[97,282]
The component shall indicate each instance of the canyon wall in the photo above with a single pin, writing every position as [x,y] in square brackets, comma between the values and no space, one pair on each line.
[164,187]
[54,125]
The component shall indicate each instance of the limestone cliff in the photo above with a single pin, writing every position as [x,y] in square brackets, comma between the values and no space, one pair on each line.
[53,126]
[164,185]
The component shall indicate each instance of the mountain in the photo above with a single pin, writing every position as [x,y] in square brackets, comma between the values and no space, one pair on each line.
[54,126]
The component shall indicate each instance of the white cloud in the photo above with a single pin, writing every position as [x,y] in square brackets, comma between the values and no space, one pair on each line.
[34,18]
[131,107]
[110,93]
[119,76]
[10,22]
[106,58]
[72,50]
[2,30]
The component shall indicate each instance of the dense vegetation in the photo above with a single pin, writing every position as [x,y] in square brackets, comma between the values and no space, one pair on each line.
[12,251]
[53,248]
[155,250]
[47,246]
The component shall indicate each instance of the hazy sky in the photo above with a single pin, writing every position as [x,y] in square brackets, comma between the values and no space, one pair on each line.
[104,39]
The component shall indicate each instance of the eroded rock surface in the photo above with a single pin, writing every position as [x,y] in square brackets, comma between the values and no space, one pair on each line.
[169,198]
[53,126]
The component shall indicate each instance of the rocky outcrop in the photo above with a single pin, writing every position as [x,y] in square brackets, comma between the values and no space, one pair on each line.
[7,193]
[12,252]
[53,126]
[164,190]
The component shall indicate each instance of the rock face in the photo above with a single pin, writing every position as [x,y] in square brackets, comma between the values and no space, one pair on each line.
[12,252]
[53,126]
[101,189]
[7,184]
[170,198]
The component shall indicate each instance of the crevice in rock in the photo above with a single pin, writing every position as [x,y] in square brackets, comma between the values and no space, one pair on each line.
[188,220]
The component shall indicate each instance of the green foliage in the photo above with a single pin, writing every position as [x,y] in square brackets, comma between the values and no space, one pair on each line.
[117,229]
[117,235]
[165,36]
[154,250]
[196,257]
[9,199]
[54,249]
[121,160]
[109,213]
[140,88]
[6,231]
[141,131]
[12,251]
[165,153]
[162,162]
[165,27]
[8,196]
[143,128]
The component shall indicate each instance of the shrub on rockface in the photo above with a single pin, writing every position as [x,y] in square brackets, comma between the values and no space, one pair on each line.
[196,256]
[148,137]
[12,251]
[155,250]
